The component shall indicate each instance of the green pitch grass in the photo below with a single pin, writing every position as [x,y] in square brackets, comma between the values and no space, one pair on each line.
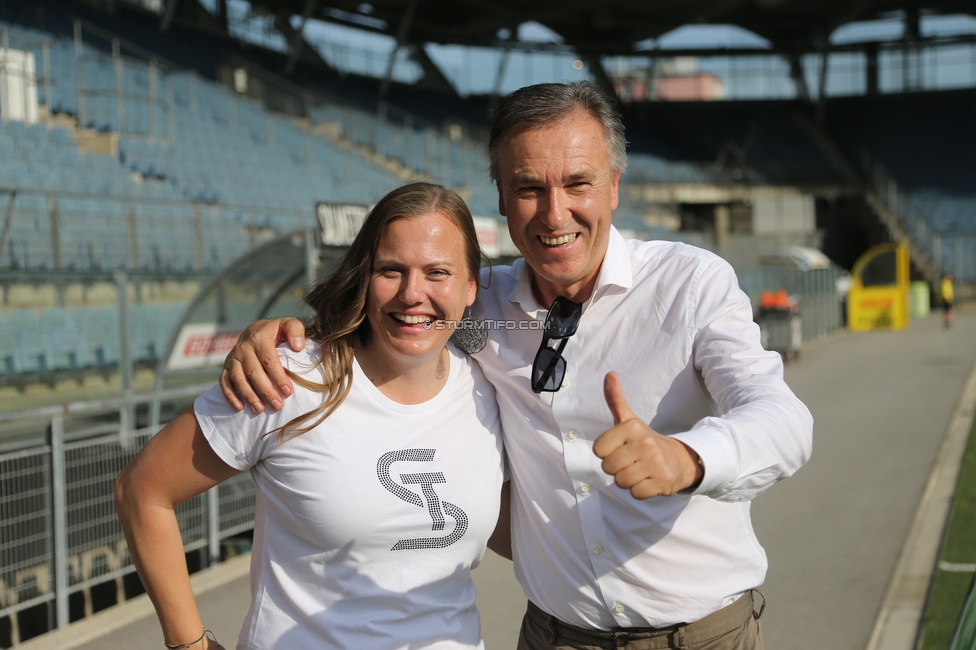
[949,589]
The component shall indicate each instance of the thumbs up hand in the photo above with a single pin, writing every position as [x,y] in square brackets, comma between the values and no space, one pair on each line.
[639,458]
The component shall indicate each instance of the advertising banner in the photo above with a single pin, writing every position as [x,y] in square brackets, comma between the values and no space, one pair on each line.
[878,298]
[202,345]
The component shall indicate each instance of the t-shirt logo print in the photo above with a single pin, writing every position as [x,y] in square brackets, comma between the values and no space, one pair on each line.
[426,481]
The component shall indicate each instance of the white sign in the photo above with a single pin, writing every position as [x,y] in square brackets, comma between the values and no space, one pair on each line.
[340,222]
[487,230]
[18,86]
[202,345]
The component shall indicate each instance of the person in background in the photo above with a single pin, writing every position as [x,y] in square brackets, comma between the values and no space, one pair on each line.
[947,296]
[641,415]
[378,484]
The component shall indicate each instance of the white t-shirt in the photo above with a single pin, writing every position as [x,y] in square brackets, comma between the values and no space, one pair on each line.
[366,527]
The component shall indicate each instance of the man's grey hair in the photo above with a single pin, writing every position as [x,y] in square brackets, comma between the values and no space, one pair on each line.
[547,103]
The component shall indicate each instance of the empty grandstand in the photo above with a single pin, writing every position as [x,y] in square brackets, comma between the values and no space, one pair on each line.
[147,145]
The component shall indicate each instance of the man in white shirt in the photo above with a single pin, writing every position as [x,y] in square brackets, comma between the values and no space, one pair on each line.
[637,441]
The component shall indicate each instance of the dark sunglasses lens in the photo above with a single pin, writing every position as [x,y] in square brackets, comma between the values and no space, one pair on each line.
[563,318]
[548,370]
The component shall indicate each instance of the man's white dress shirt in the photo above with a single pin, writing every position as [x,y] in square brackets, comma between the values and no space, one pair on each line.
[672,321]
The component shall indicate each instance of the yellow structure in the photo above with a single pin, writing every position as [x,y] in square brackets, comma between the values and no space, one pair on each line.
[878,298]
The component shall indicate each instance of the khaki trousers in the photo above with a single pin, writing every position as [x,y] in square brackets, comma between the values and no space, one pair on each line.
[735,627]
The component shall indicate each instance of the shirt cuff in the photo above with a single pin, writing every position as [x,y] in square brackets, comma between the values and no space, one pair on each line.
[717,455]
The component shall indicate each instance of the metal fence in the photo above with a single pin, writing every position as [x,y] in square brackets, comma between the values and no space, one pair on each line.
[59,533]
[820,304]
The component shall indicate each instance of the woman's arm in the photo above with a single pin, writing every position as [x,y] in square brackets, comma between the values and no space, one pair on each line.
[177,464]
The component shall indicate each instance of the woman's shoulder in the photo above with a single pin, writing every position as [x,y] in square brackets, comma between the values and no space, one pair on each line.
[463,361]
[306,363]
[468,373]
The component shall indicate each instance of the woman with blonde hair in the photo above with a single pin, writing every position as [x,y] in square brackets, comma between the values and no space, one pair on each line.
[377,483]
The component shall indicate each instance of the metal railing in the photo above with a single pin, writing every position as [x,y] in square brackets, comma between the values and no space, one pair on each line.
[52,230]
[59,533]
[934,248]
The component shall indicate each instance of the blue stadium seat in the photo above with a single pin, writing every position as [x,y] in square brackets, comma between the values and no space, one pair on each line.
[10,363]
[35,350]
[240,163]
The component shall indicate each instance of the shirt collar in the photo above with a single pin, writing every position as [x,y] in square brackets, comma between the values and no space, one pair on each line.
[615,271]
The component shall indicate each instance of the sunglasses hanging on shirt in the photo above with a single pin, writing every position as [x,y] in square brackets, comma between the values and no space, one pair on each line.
[549,367]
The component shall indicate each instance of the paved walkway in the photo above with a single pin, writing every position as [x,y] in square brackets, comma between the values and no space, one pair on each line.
[882,403]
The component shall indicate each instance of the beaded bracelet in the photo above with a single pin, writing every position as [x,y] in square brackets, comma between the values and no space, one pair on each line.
[178,646]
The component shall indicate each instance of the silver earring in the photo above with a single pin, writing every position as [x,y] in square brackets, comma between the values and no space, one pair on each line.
[470,335]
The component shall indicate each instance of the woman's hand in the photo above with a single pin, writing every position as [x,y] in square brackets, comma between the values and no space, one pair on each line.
[252,372]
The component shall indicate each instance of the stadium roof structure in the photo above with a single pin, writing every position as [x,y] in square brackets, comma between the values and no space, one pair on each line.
[607,27]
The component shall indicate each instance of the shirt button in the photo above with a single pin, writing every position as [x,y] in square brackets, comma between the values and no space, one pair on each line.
[619,609]
[565,383]
[597,549]
[585,488]
[572,435]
